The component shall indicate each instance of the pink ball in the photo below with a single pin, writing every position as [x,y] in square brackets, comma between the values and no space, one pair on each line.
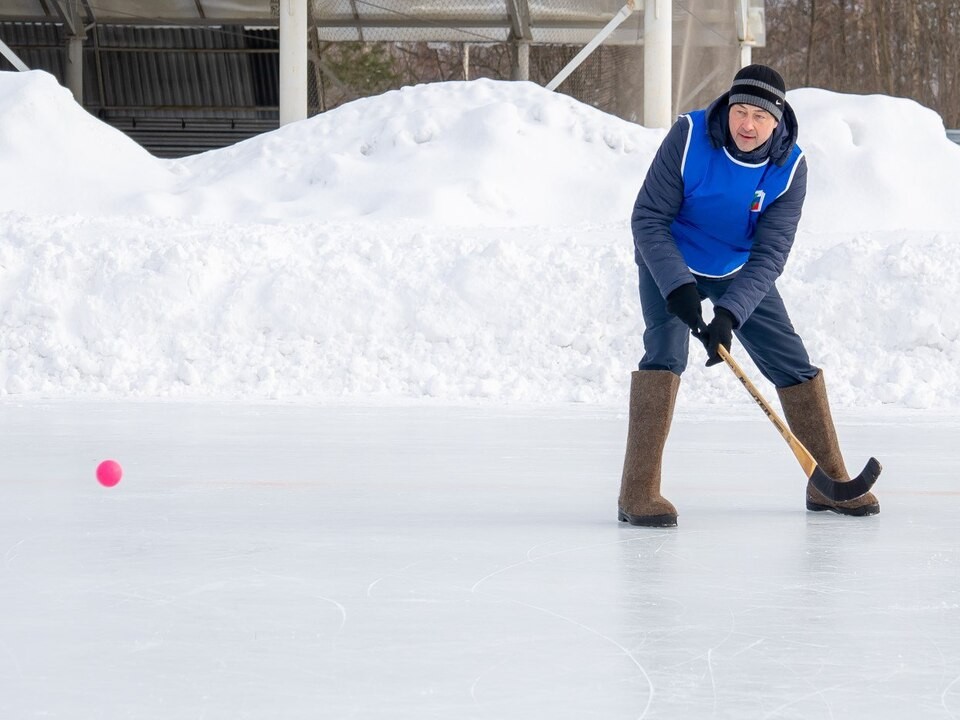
[109,473]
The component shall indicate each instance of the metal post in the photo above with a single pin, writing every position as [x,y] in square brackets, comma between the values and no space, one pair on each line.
[657,63]
[521,66]
[293,60]
[745,33]
[520,37]
[72,14]
[74,69]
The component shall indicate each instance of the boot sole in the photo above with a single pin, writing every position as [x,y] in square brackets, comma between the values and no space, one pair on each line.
[861,511]
[647,520]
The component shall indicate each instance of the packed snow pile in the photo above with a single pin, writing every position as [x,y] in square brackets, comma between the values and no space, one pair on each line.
[459,242]
[479,153]
[875,163]
[458,153]
[56,158]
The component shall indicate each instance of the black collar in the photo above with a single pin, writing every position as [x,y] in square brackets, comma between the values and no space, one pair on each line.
[754,157]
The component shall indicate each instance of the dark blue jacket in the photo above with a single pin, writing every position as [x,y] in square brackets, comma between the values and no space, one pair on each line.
[662,195]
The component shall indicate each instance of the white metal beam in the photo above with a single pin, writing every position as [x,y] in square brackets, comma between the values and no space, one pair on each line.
[617,20]
[12,57]
[293,60]
[658,64]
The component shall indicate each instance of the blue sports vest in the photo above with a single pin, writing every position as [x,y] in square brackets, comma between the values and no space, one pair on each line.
[722,199]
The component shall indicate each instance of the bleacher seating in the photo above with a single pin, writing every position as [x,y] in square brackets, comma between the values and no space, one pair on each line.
[170,137]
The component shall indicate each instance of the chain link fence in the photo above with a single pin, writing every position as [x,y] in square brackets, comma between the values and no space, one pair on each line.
[182,88]
[360,48]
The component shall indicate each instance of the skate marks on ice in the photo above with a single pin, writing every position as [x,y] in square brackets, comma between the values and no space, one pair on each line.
[521,634]
[530,559]
[442,562]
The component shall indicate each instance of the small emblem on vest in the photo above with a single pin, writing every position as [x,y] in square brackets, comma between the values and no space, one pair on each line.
[757,203]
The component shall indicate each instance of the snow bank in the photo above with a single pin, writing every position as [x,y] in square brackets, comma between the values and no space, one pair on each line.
[475,153]
[56,158]
[876,163]
[378,312]
[461,242]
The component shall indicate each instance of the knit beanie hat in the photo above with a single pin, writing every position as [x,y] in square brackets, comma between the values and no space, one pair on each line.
[761,86]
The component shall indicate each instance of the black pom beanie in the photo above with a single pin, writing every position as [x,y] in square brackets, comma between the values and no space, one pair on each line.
[761,86]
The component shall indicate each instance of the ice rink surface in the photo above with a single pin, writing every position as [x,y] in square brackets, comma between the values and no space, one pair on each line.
[290,562]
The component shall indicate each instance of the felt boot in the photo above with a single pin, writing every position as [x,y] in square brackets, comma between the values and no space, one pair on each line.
[808,414]
[653,394]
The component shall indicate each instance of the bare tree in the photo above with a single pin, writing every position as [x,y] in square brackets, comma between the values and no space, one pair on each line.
[907,49]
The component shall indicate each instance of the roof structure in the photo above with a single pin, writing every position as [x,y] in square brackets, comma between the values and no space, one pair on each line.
[149,63]
[481,21]
[192,12]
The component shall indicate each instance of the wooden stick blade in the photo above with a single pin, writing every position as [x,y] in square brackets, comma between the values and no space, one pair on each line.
[841,490]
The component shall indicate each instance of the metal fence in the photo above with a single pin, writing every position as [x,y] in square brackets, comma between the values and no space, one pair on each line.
[433,40]
[196,70]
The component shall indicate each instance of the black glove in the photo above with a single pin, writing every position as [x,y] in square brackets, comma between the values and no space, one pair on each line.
[684,302]
[718,332]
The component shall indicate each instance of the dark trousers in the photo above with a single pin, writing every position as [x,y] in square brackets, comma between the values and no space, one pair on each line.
[767,335]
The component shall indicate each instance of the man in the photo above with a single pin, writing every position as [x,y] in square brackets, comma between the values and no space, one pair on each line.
[716,218]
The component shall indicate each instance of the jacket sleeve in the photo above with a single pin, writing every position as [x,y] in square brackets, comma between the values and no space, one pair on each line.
[656,207]
[772,241]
